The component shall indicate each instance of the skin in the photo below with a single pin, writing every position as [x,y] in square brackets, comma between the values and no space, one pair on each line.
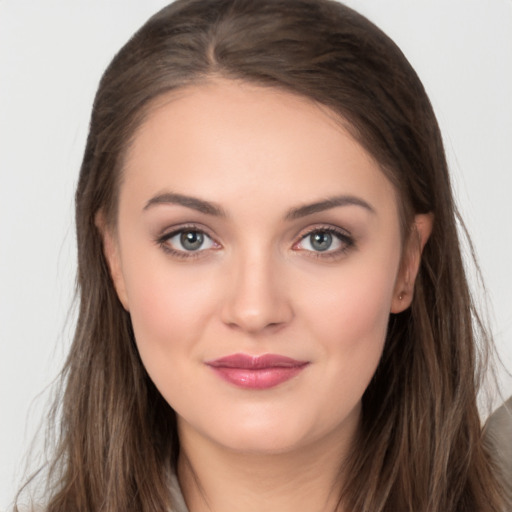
[258,285]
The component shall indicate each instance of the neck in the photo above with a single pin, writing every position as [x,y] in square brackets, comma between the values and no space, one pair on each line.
[217,479]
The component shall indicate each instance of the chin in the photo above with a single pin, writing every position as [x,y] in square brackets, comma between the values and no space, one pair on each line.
[272,435]
[265,442]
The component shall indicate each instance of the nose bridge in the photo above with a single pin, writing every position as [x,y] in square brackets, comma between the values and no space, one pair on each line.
[257,298]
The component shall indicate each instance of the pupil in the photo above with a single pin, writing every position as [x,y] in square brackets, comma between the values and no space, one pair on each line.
[321,241]
[191,240]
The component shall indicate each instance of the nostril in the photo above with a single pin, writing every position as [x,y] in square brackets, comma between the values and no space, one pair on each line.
[255,301]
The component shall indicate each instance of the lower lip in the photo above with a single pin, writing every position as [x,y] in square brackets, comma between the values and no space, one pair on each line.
[260,378]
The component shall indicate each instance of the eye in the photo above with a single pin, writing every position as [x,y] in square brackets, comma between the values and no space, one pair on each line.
[186,240]
[325,240]
[319,241]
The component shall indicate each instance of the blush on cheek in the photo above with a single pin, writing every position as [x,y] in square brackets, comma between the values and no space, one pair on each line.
[167,313]
[355,308]
[159,341]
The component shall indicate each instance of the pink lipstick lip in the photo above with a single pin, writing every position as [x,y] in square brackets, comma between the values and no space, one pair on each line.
[256,372]
[255,362]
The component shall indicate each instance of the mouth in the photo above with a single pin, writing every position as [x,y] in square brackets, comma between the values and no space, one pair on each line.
[256,372]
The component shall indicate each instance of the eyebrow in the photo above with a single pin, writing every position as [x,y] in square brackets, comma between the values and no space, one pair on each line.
[194,203]
[327,204]
[210,208]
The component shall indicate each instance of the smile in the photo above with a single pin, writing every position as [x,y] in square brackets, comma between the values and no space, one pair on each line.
[256,372]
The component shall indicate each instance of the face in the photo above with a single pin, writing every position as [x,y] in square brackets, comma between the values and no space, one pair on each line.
[258,251]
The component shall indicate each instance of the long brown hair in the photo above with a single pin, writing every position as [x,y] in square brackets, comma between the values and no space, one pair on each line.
[419,447]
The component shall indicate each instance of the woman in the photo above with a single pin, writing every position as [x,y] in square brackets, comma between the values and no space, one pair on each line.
[274,312]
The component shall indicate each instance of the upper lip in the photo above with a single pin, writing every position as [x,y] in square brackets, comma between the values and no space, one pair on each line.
[250,362]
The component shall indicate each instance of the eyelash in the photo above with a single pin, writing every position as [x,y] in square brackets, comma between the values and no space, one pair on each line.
[185,255]
[344,238]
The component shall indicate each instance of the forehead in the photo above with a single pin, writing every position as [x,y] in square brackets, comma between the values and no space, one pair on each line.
[234,139]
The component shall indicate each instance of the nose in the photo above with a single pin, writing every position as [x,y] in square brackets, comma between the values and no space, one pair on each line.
[256,298]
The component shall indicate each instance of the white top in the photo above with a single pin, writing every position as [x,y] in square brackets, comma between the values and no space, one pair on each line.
[177,495]
[498,436]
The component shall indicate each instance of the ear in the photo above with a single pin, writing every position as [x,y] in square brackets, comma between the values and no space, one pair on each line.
[111,253]
[410,264]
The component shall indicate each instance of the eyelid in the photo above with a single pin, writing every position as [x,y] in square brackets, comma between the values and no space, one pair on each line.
[170,232]
[345,237]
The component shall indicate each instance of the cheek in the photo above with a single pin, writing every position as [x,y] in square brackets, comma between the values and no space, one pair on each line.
[351,302]
[169,308]
[348,313]
[360,311]
[347,318]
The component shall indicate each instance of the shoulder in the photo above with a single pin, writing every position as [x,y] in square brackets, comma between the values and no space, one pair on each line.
[498,438]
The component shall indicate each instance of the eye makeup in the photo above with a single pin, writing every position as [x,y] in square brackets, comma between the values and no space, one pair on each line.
[325,242]
[194,241]
[190,241]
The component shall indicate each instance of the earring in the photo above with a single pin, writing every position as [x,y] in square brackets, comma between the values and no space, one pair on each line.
[401,296]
